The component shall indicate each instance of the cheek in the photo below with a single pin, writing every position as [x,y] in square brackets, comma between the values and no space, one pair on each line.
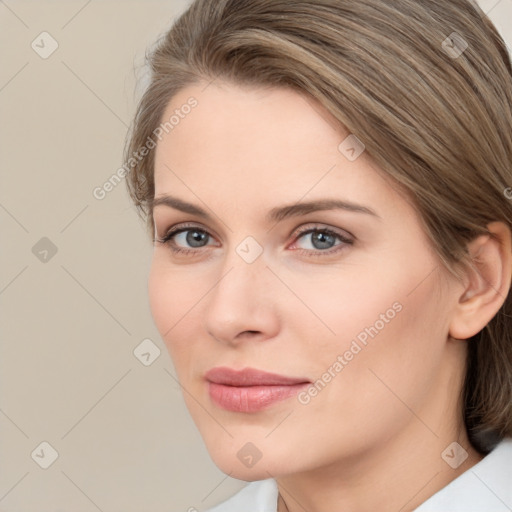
[161,297]
[170,298]
[344,303]
[389,320]
[391,345]
[371,398]
[373,298]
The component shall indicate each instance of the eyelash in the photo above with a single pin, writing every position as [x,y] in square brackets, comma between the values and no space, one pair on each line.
[167,240]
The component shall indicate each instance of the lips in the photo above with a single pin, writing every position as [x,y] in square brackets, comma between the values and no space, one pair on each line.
[250,390]
[250,377]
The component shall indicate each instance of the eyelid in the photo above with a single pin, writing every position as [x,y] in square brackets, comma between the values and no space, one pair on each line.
[311,226]
[184,226]
[320,226]
[330,252]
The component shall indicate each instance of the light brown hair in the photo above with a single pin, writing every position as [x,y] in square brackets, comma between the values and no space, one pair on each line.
[437,121]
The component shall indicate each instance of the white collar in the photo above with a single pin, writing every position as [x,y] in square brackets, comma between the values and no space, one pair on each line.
[487,486]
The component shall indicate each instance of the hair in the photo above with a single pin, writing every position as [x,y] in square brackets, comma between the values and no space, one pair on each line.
[438,123]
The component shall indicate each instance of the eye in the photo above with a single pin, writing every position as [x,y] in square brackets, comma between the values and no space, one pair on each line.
[315,241]
[320,241]
[186,239]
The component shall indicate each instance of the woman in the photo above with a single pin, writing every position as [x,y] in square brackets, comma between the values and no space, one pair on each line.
[327,184]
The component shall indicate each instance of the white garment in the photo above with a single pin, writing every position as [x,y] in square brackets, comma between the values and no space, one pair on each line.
[485,487]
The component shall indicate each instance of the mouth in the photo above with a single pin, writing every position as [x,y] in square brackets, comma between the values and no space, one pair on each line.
[250,390]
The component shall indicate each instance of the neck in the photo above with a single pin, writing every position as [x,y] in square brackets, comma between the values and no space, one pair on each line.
[399,477]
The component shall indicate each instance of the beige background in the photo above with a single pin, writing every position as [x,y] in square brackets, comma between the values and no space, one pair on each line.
[70,321]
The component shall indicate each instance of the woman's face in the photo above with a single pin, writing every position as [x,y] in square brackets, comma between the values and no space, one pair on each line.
[360,307]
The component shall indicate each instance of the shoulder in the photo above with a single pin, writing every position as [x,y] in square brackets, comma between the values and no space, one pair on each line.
[485,486]
[260,496]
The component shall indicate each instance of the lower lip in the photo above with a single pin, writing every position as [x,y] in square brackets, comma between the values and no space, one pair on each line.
[251,398]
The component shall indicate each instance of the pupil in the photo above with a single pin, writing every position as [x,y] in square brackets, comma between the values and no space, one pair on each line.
[195,236]
[323,239]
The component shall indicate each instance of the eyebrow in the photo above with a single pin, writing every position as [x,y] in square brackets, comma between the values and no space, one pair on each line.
[276,214]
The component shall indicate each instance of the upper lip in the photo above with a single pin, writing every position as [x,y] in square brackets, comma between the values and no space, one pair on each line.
[250,377]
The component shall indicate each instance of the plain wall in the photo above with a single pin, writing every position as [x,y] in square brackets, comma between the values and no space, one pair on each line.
[73,283]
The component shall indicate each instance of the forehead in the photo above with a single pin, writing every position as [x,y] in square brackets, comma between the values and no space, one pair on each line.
[241,99]
[246,128]
[232,118]
[258,144]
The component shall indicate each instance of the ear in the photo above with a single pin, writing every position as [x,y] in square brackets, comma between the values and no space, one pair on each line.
[487,284]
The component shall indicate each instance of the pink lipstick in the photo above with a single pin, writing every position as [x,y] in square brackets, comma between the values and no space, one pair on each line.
[250,390]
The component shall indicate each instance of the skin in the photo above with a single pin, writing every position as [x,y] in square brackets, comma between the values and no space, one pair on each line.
[372,439]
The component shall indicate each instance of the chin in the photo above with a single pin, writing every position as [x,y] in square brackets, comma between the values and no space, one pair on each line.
[235,469]
[243,461]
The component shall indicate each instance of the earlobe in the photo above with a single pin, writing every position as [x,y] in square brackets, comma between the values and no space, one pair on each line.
[487,282]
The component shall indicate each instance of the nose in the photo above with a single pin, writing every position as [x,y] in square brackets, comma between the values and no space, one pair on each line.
[243,304]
